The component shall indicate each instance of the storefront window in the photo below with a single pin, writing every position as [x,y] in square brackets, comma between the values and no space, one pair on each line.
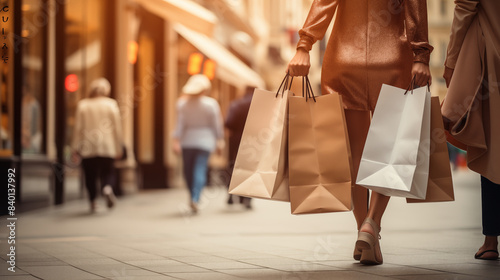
[34,22]
[6,77]
[88,36]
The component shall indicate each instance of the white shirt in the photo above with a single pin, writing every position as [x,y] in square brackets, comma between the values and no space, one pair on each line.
[199,123]
[97,128]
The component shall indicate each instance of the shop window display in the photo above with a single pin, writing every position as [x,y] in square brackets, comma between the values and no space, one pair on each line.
[6,79]
[34,23]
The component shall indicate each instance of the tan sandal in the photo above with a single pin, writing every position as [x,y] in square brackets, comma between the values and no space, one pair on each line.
[369,245]
[357,253]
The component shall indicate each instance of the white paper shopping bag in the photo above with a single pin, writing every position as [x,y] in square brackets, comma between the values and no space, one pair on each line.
[395,160]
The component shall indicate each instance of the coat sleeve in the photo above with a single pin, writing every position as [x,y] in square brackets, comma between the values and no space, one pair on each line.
[117,124]
[417,30]
[317,22]
[465,11]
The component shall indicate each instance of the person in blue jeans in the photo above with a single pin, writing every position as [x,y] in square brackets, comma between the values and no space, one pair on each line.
[199,131]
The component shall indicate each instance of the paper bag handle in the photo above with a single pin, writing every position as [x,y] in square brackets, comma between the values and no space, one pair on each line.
[308,91]
[412,86]
[288,85]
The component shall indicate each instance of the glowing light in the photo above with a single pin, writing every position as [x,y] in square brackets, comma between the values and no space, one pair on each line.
[209,69]
[71,83]
[132,49]
[195,63]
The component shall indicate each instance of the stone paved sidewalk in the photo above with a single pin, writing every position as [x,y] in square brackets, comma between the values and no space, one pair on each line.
[149,235]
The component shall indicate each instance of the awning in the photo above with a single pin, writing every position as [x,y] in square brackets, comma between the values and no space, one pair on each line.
[229,68]
[234,19]
[185,12]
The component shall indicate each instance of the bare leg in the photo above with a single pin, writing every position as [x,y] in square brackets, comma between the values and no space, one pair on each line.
[368,235]
[378,204]
[358,123]
[367,248]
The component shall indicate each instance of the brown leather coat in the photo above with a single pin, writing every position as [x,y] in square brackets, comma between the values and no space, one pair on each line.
[472,104]
[372,42]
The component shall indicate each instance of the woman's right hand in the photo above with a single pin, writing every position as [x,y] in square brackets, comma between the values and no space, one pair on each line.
[300,63]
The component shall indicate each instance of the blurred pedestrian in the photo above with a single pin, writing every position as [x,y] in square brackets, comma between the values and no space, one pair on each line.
[235,122]
[471,109]
[198,132]
[31,125]
[373,42]
[98,140]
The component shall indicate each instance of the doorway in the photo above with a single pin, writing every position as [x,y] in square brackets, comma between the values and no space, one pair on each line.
[149,100]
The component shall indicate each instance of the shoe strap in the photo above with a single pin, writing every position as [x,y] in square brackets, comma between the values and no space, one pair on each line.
[374,225]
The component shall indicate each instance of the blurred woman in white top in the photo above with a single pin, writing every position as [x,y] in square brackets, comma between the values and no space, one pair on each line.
[199,131]
[97,139]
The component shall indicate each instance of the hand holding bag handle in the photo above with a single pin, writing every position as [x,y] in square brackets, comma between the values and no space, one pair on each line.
[411,86]
[307,90]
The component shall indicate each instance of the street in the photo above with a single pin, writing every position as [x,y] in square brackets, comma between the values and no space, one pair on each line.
[150,235]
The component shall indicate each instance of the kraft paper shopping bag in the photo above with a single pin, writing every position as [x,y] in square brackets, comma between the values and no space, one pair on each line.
[319,155]
[260,169]
[440,184]
[395,160]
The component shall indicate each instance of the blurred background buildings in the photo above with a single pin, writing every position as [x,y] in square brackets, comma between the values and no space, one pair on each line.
[147,49]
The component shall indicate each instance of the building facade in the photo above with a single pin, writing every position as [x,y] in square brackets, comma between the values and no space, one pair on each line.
[147,49]
[440,14]
[143,47]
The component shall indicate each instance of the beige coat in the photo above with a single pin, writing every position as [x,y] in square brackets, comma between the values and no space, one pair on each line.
[97,128]
[472,104]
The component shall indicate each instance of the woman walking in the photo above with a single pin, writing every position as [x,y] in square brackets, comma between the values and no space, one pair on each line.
[98,140]
[372,42]
[471,107]
[198,132]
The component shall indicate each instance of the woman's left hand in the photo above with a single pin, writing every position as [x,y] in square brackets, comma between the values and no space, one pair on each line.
[422,74]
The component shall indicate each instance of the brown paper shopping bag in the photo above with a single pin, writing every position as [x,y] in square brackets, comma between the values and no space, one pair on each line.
[260,169]
[440,184]
[319,155]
